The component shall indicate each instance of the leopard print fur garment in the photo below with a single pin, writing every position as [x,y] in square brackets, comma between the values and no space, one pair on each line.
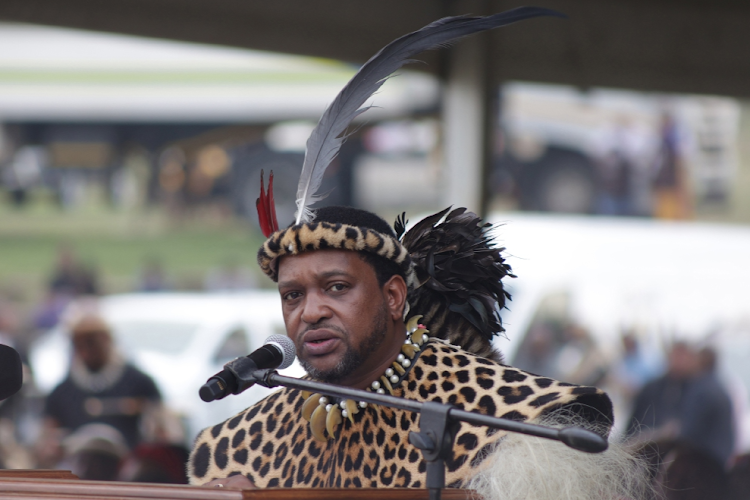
[273,446]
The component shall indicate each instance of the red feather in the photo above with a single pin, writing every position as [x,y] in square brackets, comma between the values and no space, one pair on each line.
[261,204]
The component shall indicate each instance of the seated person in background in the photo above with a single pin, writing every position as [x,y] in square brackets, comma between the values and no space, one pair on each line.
[706,419]
[683,472]
[101,386]
[739,478]
[155,463]
[94,452]
[656,408]
[689,403]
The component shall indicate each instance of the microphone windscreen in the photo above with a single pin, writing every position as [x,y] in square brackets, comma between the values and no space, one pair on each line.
[11,372]
[286,346]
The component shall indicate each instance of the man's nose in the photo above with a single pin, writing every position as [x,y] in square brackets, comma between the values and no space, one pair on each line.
[316,309]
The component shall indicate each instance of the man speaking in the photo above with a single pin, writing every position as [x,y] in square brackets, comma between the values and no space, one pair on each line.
[410,314]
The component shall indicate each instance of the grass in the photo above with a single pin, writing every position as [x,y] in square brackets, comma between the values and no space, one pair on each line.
[117,244]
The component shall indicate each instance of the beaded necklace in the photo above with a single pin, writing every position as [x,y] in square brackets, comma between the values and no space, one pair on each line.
[326,414]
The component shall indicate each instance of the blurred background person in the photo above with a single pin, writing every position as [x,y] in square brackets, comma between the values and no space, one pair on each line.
[684,472]
[657,406]
[630,371]
[151,277]
[155,463]
[671,197]
[94,452]
[171,181]
[537,353]
[739,478]
[101,387]
[617,170]
[230,276]
[559,346]
[707,416]
[636,366]
[688,403]
[22,173]
[48,312]
[69,279]
[580,360]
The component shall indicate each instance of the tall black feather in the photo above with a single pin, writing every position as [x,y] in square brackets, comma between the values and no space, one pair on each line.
[459,279]
[330,132]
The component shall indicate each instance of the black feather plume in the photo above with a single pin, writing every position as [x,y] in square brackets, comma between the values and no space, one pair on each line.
[459,278]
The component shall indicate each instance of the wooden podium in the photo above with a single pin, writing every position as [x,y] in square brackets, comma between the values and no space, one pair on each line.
[62,485]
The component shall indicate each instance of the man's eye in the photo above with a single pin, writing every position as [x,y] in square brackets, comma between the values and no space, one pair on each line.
[292,295]
[338,287]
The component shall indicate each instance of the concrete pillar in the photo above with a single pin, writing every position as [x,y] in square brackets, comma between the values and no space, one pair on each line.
[465,109]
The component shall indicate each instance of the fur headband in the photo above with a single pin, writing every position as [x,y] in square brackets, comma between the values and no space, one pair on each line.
[321,235]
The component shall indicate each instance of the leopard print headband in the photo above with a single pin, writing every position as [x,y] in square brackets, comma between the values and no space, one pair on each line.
[321,235]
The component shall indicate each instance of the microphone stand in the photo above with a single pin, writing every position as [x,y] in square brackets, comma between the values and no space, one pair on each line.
[438,422]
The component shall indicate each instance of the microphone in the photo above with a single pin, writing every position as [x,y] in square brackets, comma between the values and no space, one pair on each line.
[11,372]
[583,440]
[277,352]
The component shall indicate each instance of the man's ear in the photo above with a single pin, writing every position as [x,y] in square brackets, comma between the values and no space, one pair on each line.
[394,291]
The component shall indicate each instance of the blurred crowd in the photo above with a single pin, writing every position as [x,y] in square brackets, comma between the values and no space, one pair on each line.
[106,420]
[680,414]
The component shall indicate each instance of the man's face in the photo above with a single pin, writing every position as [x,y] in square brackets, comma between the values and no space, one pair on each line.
[93,347]
[335,312]
[683,361]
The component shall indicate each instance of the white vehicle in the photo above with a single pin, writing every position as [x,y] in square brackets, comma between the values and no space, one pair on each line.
[180,339]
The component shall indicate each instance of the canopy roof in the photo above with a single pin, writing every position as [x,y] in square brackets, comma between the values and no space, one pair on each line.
[697,46]
[53,74]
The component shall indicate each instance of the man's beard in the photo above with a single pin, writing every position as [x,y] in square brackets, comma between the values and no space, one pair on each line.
[353,358]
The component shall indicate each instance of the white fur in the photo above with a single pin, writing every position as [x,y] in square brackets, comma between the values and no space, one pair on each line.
[529,468]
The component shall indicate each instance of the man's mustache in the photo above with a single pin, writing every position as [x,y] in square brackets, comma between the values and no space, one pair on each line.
[323,325]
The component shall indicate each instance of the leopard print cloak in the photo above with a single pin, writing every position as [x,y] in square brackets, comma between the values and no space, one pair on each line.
[273,446]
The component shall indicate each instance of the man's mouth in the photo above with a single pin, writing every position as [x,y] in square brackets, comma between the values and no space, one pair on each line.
[320,343]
